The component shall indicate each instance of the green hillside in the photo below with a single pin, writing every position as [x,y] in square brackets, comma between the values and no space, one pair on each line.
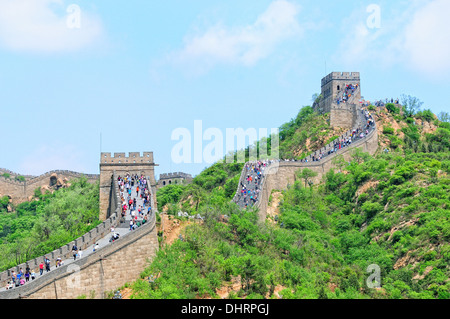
[389,211]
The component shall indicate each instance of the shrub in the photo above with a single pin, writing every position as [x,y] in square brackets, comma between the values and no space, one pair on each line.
[392,108]
[388,130]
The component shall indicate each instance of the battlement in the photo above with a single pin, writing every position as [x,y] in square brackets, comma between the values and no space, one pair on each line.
[121,158]
[341,76]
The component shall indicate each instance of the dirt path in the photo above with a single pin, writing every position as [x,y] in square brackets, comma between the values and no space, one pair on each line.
[173,228]
[273,209]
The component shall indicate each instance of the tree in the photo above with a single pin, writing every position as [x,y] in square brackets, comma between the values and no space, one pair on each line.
[411,105]
[197,195]
[306,174]
[392,108]
[316,98]
[339,162]
[359,156]
[444,117]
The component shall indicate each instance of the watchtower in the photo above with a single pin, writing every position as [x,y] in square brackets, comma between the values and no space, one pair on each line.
[174,178]
[121,165]
[333,89]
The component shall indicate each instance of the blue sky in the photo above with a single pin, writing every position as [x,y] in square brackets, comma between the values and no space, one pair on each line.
[132,72]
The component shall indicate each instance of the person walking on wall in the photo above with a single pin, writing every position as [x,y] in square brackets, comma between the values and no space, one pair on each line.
[41,268]
[47,264]
[74,251]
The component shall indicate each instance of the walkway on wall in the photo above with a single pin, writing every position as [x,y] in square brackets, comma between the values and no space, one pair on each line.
[123,229]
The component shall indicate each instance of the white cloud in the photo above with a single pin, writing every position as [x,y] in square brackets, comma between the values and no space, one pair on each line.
[427,39]
[245,45]
[45,26]
[418,38]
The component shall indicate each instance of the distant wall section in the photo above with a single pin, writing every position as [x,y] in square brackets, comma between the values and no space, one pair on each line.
[21,191]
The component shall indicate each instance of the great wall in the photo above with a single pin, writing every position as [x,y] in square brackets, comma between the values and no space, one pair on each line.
[109,267]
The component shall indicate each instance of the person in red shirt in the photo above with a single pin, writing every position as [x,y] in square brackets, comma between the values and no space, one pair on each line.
[41,268]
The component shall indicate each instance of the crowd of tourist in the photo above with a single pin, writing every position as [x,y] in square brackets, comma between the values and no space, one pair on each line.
[348,91]
[249,192]
[250,187]
[380,103]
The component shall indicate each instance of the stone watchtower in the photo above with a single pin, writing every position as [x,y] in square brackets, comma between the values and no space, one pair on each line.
[121,165]
[332,89]
[174,178]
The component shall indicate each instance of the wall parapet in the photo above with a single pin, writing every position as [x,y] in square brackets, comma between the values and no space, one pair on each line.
[371,138]
[80,264]
[65,251]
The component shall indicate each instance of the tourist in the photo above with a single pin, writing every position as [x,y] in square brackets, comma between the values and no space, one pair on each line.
[41,268]
[27,274]
[10,285]
[47,264]
[74,251]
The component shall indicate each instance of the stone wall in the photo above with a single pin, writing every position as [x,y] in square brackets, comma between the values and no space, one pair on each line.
[64,252]
[109,267]
[121,165]
[343,116]
[95,275]
[22,191]
[282,174]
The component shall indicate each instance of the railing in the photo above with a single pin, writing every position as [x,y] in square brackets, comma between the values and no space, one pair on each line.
[63,252]
[67,269]
[82,242]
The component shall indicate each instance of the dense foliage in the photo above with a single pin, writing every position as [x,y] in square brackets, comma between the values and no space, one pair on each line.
[216,185]
[48,222]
